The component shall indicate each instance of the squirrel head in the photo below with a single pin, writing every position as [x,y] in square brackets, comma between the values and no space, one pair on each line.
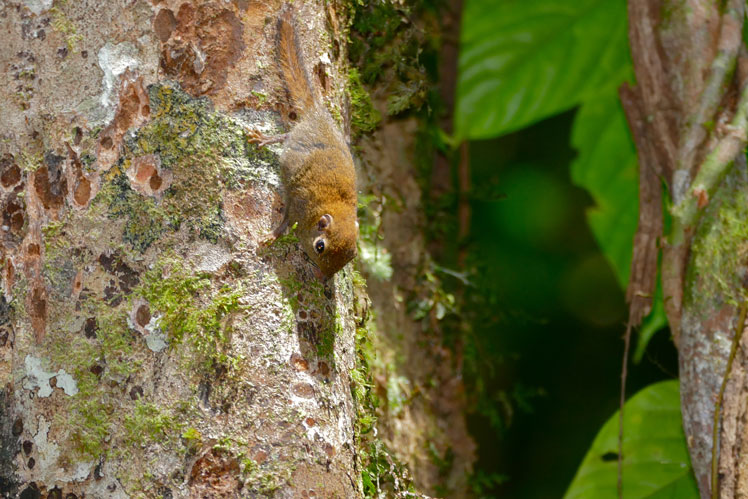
[331,242]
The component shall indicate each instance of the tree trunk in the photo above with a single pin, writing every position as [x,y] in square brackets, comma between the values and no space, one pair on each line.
[688,118]
[149,345]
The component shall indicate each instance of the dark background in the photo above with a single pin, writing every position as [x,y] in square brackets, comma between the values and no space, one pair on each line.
[547,317]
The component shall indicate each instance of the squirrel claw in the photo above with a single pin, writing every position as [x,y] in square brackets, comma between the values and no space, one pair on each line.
[259,138]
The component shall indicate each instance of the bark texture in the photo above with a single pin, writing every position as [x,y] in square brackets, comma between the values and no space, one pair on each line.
[149,346]
[417,377]
[687,116]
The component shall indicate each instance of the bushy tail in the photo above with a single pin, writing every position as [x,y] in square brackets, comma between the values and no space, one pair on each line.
[291,62]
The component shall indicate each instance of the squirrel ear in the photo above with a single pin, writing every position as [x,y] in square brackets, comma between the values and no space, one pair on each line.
[324,222]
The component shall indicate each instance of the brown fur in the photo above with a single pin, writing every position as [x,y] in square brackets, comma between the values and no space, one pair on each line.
[291,62]
[316,165]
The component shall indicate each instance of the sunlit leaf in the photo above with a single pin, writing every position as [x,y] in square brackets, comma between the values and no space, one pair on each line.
[524,60]
[656,462]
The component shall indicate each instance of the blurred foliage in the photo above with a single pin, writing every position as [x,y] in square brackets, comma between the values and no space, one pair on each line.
[522,61]
[393,45]
[656,462]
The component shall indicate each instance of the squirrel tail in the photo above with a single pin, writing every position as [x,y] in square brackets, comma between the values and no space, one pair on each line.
[291,62]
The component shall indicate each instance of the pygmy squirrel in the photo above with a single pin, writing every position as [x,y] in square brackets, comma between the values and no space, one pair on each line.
[316,165]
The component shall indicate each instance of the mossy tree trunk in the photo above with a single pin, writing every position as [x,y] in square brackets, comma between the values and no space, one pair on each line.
[688,117]
[149,345]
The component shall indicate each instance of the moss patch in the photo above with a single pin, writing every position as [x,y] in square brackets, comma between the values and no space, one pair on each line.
[145,221]
[98,365]
[63,25]
[149,423]
[205,151]
[720,248]
[364,117]
[192,310]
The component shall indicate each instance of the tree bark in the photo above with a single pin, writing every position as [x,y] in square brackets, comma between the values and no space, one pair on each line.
[687,115]
[149,345]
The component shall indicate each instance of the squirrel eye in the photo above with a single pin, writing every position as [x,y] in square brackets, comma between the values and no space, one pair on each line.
[319,246]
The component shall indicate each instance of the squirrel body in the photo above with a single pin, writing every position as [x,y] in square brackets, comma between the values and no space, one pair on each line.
[316,166]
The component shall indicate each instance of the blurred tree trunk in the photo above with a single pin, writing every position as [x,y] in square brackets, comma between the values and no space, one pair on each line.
[688,118]
[149,346]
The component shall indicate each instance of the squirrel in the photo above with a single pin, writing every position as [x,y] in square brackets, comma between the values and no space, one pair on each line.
[316,166]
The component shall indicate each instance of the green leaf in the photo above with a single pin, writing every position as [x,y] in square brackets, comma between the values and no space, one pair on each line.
[607,168]
[524,60]
[656,462]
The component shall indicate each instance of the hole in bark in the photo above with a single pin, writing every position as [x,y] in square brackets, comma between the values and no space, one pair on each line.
[17,427]
[11,176]
[38,304]
[164,23]
[143,315]
[82,191]
[90,327]
[156,182]
[31,492]
[136,392]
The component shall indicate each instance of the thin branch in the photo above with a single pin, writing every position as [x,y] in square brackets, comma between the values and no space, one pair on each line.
[651,75]
[714,168]
[642,280]
[720,75]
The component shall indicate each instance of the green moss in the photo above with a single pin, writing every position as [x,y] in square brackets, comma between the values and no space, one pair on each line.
[92,414]
[65,26]
[30,161]
[53,240]
[248,466]
[364,117]
[192,440]
[144,221]
[148,423]
[390,45]
[192,310]
[326,341]
[720,248]
[205,151]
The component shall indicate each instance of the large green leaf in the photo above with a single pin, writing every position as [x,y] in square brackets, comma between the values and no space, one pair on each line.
[607,168]
[524,60]
[656,462]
